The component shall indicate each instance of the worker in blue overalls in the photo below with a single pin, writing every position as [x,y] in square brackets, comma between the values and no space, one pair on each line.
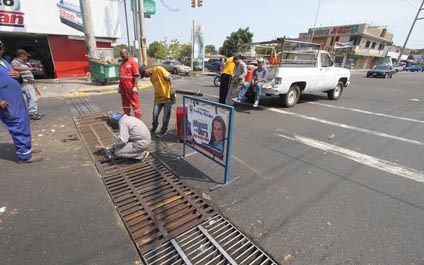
[14,113]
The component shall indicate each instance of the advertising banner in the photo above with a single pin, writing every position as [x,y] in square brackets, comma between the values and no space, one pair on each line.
[61,17]
[207,128]
[199,41]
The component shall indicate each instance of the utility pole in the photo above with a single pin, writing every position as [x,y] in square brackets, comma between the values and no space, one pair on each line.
[315,22]
[142,39]
[126,25]
[136,31]
[90,39]
[410,30]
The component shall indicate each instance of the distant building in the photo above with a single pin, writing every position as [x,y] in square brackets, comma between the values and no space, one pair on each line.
[51,31]
[354,46]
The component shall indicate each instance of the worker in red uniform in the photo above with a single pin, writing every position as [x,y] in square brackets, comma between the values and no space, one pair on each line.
[128,84]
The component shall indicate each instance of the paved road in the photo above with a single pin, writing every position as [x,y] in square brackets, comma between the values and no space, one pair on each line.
[329,182]
[325,182]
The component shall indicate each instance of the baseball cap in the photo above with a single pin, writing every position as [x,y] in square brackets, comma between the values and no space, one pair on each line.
[22,52]
[115,115]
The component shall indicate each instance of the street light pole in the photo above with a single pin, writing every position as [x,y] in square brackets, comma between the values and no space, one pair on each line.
[316,17]
[410,30]
[126,25]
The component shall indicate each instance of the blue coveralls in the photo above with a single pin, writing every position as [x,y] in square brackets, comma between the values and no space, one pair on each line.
[15,117]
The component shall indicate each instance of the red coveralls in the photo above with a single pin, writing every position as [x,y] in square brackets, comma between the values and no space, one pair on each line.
[127,72]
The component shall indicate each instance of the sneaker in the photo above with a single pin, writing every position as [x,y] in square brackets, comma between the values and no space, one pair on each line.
[143,156]
[35,116]
[255,105]
[31,160]
[153,130]
[160,135]
[237,100]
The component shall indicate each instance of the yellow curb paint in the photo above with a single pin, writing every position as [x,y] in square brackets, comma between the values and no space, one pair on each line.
[106,91]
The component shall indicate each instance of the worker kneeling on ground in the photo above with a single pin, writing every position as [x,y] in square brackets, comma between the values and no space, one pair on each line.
[134,136]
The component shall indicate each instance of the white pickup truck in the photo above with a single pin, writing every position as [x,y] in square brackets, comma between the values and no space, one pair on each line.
[302,72]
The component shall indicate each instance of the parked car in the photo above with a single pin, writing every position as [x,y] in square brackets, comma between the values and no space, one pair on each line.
[398,68]
[176,67]
[381,71]
[414,68]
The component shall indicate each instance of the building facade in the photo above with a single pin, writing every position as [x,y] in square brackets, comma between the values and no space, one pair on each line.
[354,46]
[51,31]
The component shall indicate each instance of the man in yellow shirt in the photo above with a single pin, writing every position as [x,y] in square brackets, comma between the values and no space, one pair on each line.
[162,84]
[227,73]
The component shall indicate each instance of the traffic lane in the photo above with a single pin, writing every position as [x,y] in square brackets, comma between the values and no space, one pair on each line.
[309,175]
[286,182]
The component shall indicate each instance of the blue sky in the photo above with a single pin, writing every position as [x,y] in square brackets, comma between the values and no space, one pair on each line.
[268,19]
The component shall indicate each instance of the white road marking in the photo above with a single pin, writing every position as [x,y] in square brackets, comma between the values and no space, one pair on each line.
[341,125]
[368,112]
[364,159]
[345,126]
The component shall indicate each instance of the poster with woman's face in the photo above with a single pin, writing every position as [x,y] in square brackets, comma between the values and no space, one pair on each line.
[207,128]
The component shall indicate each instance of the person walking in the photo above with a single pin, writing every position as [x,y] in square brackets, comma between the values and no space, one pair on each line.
[237,80]
[14,113]
[128,84]
[134,136]
[164,98]
[21,64]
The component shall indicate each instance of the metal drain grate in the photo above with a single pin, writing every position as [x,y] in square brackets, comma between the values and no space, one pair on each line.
[95,133]
[153,203]
[168,222]
[214,242]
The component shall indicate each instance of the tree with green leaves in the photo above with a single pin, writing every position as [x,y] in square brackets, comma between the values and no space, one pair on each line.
[234,43]
[185,51]
[210,49]
[157,50]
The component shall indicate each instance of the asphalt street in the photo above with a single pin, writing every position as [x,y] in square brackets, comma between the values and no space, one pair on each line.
[324,182]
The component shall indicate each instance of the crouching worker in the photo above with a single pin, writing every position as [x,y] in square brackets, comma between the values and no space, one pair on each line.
[134,136]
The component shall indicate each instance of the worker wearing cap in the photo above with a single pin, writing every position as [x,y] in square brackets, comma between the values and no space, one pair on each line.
[13,112]
[134,136]
[128,84]
[21,64]
[260,77]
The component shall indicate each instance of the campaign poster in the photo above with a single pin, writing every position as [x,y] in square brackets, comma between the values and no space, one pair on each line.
[208,128]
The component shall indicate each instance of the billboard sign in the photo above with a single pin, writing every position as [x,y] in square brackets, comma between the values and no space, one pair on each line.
[61,17]
[199,41]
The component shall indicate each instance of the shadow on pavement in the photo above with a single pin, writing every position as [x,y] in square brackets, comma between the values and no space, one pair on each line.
[7,152]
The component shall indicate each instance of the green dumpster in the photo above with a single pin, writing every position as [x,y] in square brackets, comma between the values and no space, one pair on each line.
[104,73]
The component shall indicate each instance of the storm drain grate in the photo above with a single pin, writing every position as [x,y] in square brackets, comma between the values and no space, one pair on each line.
[153,203]
[95,133]
[168,222]
[214,242]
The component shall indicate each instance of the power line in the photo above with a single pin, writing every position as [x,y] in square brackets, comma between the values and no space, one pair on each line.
[409,3]
[168,7]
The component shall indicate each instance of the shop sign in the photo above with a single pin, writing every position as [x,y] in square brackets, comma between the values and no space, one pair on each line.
[10,14]
[345,30]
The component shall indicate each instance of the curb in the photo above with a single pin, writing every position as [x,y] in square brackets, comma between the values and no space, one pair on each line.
[106,90]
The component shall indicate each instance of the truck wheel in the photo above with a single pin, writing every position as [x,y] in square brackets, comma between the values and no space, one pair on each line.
[290,99]
[335,93]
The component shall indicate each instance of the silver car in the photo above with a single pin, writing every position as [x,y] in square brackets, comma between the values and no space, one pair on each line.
[176,67]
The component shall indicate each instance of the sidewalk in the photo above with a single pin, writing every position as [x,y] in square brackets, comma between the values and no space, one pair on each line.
[78,87]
